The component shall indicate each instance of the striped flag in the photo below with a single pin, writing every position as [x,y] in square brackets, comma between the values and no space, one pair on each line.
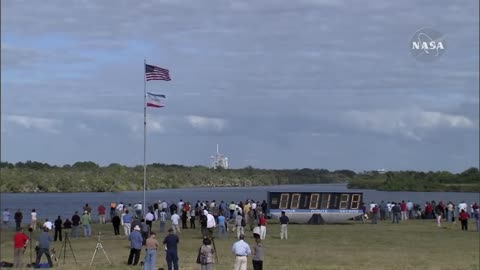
[156,73]
[154,100]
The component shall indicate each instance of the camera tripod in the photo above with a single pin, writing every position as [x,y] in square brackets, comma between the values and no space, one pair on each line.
[64,249]
[99,246]
[210,236]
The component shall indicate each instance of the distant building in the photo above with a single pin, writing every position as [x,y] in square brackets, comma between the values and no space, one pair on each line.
[219,160]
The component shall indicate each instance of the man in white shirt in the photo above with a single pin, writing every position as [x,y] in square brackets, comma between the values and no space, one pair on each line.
[180,205]
[165,205]
[175,218]
[138,209]
[410,209]
[372,205]
[241,249]
[6,217]
[149,218]
[389,209]
[462,206]
[33,223]
[119,208]
[211,224]
[48,224]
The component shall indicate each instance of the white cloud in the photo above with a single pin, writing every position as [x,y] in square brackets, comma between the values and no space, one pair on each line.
[412,124]
[28,122]
[206,124]
[84,127]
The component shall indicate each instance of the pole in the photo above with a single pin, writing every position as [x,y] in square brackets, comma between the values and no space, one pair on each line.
[144,135]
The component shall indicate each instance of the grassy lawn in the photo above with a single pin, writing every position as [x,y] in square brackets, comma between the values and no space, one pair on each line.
[409,245]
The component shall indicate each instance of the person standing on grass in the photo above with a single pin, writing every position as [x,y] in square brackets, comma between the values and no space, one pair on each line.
[463,217]
[136,239]
[127,222]
[240,225]
[241,249]
[403,209]
[101,214]
[87,223]
[20,240]
[211,224]
[222,231]
[284,220]
[409,209]
[75,224]
[149,218]
[18,218]
[116,224]
[6,217]
[58,229]
[477,218]
[439,213]
[258,255]
[151,252]
[175,218]
[171,246]
[163,220]
[263,226]
[184,219]
[375,214]
[207,255]
[383,210]
[33,223]
[395,212]
[192,218]
[113,207]
[44,242]
[449,211]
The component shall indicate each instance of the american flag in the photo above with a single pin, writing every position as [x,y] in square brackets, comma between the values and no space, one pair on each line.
[156,73]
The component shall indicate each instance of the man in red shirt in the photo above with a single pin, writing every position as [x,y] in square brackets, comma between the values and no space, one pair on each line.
[464,216]
[403,209]
[101,214]
[20,240]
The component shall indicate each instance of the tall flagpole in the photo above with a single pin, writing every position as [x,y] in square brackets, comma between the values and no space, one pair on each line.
[144,135]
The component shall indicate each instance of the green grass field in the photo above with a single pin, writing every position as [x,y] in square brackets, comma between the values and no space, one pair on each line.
[416,244]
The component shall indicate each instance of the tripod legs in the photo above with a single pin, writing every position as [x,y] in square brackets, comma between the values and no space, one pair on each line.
[99,246]
[64,249]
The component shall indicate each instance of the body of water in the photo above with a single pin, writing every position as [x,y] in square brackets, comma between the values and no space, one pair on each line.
[51,205]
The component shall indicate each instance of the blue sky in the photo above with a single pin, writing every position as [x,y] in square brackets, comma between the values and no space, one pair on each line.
[298,84]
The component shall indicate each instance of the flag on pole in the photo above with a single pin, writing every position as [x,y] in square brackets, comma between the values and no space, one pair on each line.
[154,100]
[156,73]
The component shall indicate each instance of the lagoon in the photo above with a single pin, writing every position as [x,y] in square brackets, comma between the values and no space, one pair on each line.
[51,205]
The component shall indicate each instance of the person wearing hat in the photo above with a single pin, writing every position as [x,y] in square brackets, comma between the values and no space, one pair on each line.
[136,240]
[171,246]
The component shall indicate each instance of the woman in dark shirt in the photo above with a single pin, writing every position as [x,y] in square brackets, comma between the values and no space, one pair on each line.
[258,255]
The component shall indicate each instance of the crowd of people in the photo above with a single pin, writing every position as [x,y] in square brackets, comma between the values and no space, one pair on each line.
[441,212]
[213,220]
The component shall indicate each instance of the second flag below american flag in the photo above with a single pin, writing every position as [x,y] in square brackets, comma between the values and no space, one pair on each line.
[155,100]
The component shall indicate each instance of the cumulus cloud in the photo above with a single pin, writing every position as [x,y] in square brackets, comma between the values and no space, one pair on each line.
[412,124]
[206,124]
[29,122]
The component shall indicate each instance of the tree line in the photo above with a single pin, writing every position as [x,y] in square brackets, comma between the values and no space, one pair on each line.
[87,176]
